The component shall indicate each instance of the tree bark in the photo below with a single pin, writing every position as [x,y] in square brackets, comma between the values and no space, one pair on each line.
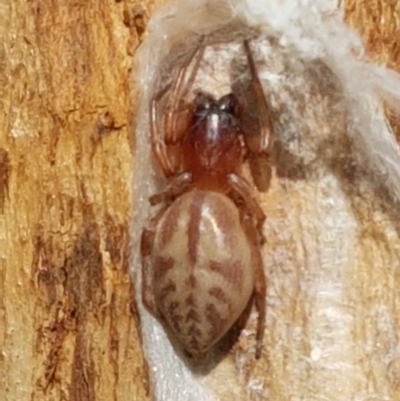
[69,329]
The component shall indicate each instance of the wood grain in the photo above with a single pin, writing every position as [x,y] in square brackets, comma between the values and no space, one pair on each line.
[69,329]
[68,326]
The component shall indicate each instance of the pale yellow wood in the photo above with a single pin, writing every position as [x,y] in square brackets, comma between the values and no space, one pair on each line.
[69,329]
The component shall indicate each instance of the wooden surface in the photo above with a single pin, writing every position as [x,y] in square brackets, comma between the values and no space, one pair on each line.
[68,325]
[378,22]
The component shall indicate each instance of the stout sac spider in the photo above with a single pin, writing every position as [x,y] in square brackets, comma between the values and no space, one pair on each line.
[201,250]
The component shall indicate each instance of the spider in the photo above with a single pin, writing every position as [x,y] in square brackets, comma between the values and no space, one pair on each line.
[201,251]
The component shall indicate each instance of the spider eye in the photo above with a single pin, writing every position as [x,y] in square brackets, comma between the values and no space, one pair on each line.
[229,104]
[203,102]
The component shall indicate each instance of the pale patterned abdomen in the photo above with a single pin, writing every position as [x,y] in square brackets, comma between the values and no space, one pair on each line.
[203,275]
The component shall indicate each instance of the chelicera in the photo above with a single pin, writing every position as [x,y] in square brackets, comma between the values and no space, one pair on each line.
[201,250]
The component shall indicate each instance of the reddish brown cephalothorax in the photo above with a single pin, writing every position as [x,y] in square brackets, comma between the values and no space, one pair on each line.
[201,250]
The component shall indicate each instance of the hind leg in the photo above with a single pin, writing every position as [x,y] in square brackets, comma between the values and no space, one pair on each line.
[146,247]
[260,284]
[242,187]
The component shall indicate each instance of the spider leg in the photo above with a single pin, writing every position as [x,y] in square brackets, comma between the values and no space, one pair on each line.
[260,284]
[264,142]
[174,121]
[179,90]
[241,186]
[158,145]
[176,186]
[146,246]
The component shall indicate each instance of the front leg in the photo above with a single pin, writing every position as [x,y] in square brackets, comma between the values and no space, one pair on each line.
[263,143]
[259,141]
[158,145]
[176,120]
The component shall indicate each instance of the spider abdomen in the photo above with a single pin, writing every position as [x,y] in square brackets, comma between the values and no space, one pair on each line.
[203,273]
